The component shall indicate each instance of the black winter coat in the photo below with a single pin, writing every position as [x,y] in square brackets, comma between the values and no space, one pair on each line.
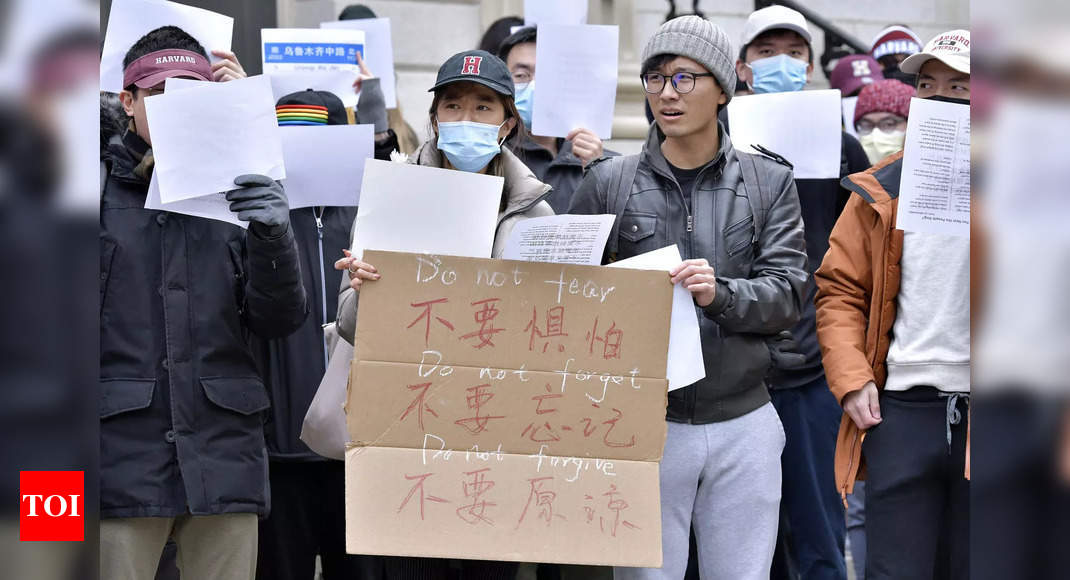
[293,366]
[182,406]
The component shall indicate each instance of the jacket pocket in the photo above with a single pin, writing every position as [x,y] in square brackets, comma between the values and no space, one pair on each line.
[637,226]
[243,395]
[739,236]
[123,395]
[237,263]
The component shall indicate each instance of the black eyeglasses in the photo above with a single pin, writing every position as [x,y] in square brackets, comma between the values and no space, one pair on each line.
[682,82]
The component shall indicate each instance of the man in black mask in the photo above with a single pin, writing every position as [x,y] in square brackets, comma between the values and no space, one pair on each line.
[893,320]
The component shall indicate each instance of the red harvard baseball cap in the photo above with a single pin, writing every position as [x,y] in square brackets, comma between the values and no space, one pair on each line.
[151,69]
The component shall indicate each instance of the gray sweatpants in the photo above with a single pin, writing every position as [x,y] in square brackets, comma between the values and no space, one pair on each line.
[725,478]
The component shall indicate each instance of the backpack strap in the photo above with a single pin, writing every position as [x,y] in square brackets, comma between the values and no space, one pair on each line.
[621,177]
[761,198]
[755,195]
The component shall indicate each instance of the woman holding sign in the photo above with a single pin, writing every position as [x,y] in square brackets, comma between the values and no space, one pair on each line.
[472,114]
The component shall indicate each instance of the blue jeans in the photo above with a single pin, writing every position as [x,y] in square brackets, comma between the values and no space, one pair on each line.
[816,522]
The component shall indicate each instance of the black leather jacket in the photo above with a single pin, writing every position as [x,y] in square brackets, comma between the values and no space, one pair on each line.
[760,275]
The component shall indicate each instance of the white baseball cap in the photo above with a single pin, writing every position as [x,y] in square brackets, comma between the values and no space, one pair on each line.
[951,48]
[772,18]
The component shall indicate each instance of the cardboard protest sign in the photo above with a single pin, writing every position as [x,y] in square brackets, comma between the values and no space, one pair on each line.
[507,410]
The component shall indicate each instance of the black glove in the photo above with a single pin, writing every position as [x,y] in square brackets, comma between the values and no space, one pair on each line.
[371,109]
[262,202]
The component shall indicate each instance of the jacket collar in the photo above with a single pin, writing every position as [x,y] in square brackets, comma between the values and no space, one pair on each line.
[878,183]
[654,157]
[522,190]
[130,157]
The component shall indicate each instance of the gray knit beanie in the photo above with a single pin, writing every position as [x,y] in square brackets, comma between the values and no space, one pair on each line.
[700,40]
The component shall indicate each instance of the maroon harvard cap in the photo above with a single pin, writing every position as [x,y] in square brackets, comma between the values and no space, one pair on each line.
[854,72]
[151,69]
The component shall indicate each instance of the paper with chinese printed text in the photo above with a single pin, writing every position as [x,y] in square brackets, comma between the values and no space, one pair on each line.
[562,239]
[310,49]
[934,193]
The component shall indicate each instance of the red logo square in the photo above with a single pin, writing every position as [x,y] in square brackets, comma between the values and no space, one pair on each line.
[51,506]
[471,65]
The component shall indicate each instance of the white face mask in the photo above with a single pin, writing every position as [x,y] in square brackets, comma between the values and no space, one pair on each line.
[879,144]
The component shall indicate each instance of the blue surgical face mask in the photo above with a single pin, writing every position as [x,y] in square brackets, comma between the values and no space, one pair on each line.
[778,74]
[469,145]
[525,101]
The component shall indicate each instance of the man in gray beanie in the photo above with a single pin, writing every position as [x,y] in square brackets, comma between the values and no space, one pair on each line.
[735,218]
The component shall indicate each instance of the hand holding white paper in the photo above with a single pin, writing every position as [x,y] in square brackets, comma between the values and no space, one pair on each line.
[129,20]
[378,54]
[577,81]
[685,365]
[205,136]
[214,206]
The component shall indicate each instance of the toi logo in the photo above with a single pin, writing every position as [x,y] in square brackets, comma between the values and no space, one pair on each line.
[51,506]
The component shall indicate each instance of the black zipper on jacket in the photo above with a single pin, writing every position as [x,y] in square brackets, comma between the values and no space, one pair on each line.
[692,396]
[317,212]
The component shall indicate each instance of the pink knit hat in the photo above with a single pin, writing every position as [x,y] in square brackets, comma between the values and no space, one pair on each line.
[887,96]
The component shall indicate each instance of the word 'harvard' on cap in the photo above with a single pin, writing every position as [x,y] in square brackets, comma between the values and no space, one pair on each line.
[951,48]
[153,68]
